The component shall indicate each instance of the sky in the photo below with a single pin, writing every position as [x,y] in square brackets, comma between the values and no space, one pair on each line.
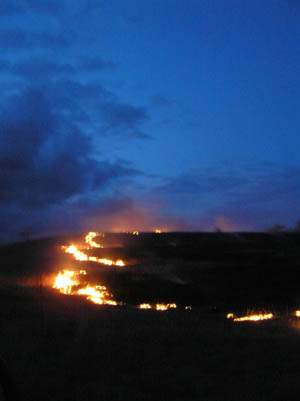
[135,114]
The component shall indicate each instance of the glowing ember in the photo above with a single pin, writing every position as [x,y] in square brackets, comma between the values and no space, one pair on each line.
[89,239]
[65,281]
[83,257]
[158,307]
[254,317]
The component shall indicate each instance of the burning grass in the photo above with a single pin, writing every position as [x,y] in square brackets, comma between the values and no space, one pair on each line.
[70,282]
[80,256]
[251,317]
[158,307]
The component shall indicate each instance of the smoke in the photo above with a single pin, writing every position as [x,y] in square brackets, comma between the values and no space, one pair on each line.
[118,215]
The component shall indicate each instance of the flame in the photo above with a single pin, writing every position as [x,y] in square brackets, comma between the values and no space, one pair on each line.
[253,317]
[68,281]
[145,306]
[65,281]
[158,231]
[296,313]
[83,257]
[89,239]
[98,294]
[158,307]
[163,307]
[78,255]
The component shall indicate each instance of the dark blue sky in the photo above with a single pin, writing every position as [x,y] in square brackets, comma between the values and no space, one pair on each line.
[136,114]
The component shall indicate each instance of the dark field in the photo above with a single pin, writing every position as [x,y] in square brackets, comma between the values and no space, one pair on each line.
[62,347]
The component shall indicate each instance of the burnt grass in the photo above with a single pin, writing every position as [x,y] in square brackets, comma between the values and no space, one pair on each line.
[63,348]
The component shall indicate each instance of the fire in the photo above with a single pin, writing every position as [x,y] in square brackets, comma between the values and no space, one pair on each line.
[297,313]
[163,307]
[71,282]
[145,306]
[65,281]
[68,282]
[158,307]
[97,294]
[253,317]
[83,257]
[158,231]
[78,255]
[89,239]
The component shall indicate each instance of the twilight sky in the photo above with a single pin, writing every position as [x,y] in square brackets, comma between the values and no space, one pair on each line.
[124,114]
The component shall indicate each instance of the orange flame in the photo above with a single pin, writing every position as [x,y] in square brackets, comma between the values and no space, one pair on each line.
[83,257]
[145,306]
[65,281]
[89,239]
[97,294]
[253,317]
[158,307]
[68,281]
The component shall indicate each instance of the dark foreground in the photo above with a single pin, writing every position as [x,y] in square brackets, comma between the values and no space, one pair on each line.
[63,348]
[66,349]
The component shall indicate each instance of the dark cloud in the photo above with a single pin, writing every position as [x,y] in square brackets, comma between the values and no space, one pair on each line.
[245,197]
[8,7]
[37,68]
[12,7]
[82,102]
[18,39]
[96,64]
[203,182]
[123,118]
[45,7]
[161,101]
[42,165]
[44,68]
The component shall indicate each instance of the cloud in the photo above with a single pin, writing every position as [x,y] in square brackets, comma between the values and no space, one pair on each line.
[44,68]
[42,165]
[125,118]
[244,197]
[161,101]
[19,39]
[8,7]
[49,7]
[96,64]
[12,7]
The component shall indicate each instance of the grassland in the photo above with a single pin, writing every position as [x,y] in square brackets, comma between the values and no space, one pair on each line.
[63,348]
